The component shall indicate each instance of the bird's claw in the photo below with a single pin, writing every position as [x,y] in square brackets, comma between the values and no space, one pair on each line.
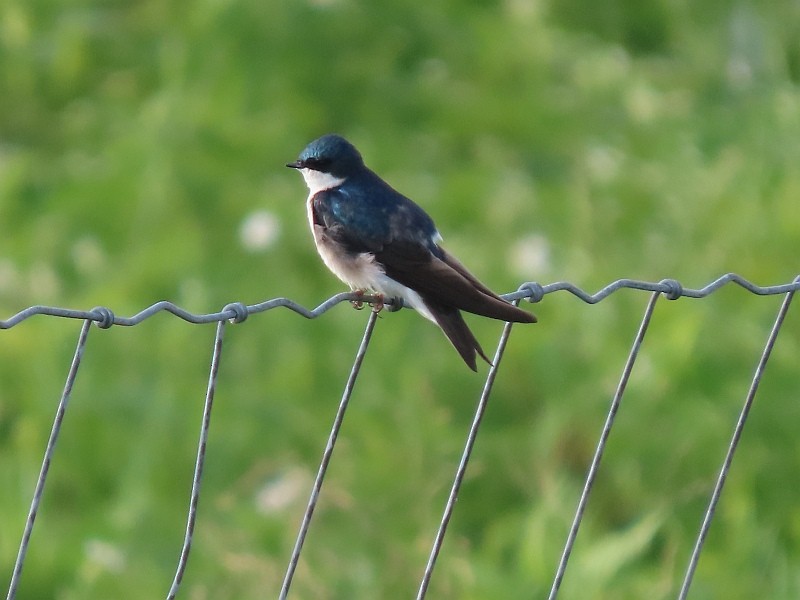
[378,305]
[378,302]
[358,303]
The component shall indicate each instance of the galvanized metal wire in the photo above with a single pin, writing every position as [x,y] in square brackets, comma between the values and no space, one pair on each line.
[194,498]
[737,434]
[531,291]
[465,456]
[326,456]
[238,312]
[48,458]
[601,445]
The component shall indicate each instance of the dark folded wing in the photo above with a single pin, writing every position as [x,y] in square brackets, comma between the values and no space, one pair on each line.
[452,323]
[444,281]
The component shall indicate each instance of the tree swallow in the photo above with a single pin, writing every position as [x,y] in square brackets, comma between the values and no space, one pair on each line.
[374,238]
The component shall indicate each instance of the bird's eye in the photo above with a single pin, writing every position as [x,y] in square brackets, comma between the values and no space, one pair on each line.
[317,163]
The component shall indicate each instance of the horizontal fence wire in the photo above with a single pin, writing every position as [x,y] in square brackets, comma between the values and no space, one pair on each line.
[238,312]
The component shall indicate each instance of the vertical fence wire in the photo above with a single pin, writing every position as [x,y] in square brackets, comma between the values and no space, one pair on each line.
[601,445]
[465,456]
[737,434]
[199,461]
[326,456]
[48,457]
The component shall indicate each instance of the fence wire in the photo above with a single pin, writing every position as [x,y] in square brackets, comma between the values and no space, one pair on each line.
[238,312]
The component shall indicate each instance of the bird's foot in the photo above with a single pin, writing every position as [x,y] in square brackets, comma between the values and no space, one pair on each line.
[381,303]
[378,305]
[358,303]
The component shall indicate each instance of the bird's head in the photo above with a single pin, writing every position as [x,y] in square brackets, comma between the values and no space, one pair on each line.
[331,154]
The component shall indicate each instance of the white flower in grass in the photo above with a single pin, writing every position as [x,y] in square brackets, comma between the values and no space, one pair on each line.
[259,231]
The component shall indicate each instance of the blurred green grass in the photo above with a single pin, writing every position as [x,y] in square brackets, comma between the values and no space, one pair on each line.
[140,142]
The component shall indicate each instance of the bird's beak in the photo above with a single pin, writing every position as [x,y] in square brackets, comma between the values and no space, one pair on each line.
[295,165]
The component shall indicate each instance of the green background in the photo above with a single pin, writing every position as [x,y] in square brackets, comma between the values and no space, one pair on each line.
[142,147]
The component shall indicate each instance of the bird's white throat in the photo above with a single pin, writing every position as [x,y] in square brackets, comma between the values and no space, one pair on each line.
[317,181]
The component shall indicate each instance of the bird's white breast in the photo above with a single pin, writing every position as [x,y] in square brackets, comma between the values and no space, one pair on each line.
[361,271]
[317,181]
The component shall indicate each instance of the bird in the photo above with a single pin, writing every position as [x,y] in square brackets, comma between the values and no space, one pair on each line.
[375,239]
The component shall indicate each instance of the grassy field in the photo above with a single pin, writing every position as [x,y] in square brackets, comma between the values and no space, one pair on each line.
[142,147]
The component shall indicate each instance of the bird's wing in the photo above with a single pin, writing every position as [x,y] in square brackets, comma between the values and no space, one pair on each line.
[332,210]
[368,214]
[444,281]
[452,323]
[401,236]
